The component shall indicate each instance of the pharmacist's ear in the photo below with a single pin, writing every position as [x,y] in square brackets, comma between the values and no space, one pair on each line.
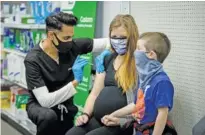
[50,35]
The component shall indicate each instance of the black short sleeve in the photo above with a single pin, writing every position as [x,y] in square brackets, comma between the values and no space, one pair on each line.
[33,76]
[84,45]
[108,59]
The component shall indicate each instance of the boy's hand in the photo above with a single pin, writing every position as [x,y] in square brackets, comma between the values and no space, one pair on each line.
[110,120]
[104,120]
[81,120]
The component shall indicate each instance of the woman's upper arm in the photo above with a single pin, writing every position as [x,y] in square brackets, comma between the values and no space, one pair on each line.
[98,83]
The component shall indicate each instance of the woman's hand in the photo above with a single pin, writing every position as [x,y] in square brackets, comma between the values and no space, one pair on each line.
[81,120]
[110,120]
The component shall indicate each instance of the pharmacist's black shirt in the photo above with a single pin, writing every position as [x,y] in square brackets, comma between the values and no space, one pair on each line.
[42,70]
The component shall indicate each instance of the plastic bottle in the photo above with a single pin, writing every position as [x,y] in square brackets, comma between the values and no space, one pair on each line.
[6,8]
[17,15]
[13,9]
[23,9]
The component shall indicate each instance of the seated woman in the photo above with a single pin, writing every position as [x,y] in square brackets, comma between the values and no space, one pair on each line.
[113,88]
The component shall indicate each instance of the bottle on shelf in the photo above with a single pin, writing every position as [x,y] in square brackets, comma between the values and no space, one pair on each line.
[23,9]
[17,15]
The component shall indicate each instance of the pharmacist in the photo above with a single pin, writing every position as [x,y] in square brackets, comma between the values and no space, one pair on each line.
[52,72]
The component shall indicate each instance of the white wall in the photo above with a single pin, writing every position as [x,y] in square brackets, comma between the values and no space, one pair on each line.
[106,11]
[184,23]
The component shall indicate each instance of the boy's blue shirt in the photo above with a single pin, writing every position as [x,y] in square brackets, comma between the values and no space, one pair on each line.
[158,93]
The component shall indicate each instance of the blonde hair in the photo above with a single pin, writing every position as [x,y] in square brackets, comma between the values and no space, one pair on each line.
[157,42]
[126,75]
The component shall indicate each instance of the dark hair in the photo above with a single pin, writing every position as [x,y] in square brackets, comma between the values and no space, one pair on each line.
[157,42]
[55,21]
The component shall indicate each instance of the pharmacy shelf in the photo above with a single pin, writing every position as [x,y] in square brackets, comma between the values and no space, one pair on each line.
[12,15]
[6,15]
[23,26]
[15,52]
[18,83]
[1,33]
[25,126]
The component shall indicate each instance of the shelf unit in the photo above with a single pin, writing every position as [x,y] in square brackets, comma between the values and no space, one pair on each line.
[18,83]
[24,126]
[15,52]
[23,26]
[12,15]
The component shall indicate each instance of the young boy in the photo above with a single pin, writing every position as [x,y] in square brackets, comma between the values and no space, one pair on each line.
[154,98]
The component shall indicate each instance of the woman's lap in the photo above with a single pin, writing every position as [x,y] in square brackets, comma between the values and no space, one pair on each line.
[82,130]
[94,127]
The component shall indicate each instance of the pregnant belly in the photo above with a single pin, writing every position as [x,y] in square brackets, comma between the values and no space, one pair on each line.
[109,100]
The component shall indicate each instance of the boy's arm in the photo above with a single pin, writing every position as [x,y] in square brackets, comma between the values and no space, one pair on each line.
[160,121]
[124,111]
[164,103]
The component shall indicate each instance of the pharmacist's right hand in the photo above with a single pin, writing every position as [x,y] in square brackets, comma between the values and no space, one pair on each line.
[81,120]
[78,68]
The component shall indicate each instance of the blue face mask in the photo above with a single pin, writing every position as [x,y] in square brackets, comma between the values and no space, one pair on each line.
[146,68]
[120,45]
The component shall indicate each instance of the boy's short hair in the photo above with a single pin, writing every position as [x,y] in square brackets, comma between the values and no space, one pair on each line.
[157,42]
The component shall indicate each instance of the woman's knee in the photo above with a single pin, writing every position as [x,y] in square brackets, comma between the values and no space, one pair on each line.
[76,131]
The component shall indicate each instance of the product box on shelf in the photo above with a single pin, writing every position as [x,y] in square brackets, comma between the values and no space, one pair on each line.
[5,94]
[23,73]
[5,67]
[15,73]
[31,41]
[37,35]
[10,66]
[17,36]
[24,41]
[5,98]
[41,9]
[6,39]
[47,8]
[17,68]
[12,40]
[19,99]
[28,20]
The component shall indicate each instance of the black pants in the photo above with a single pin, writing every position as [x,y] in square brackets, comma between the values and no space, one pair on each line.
[48,121]
[94,127]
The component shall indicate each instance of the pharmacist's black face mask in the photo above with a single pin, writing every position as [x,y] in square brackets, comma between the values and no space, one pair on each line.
[63,47]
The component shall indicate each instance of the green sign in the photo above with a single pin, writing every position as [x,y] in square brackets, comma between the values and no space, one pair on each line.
[86,14]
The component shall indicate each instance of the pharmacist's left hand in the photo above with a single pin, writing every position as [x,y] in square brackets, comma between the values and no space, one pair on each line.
[109,120]
[78,68]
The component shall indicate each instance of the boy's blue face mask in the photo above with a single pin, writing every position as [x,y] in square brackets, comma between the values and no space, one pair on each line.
[146,68]
[120,45]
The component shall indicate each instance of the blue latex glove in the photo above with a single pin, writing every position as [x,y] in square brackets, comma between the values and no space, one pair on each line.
[99,61]
[78,68]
